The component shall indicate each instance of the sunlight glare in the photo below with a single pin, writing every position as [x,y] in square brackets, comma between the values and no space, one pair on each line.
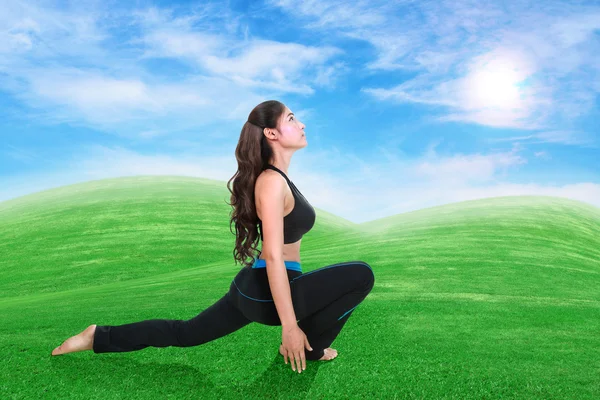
[495,85]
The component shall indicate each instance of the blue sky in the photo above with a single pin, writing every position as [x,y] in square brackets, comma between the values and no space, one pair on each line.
[407,105]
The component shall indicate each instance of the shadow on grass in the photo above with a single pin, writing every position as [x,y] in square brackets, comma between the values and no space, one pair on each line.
[117,375]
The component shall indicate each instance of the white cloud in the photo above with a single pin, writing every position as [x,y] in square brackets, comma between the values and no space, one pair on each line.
[543,155]
[355,14]
[466,168]
[257,63]
[105,97]
[565,137]
[186,45]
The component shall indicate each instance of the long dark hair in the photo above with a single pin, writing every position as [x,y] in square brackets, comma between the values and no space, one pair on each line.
[253,154]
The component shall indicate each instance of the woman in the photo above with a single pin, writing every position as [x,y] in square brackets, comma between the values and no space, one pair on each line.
[311,308]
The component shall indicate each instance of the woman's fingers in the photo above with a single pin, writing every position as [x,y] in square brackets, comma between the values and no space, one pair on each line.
[297,361]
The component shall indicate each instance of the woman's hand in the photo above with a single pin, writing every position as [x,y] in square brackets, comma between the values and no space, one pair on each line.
[293,341]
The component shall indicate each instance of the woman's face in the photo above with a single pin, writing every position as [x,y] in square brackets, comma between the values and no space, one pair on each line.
[291,128]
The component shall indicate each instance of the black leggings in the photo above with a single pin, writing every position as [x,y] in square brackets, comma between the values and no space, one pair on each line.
[323,300]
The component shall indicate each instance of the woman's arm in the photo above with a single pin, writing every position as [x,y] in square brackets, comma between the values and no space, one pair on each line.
[270,201]
[280,289]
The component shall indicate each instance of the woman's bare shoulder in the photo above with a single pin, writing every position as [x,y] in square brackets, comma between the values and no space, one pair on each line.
[269,178]
[266,176]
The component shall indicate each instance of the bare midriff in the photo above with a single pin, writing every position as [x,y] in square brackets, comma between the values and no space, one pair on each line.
[291,251]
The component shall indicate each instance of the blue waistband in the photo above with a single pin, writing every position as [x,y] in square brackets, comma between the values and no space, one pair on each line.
[291,265]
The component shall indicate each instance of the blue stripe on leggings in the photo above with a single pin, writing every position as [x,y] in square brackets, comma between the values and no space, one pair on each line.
[347,312]
[291,265]
[251,298]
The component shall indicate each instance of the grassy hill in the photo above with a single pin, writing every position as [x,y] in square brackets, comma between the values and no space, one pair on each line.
[478,299]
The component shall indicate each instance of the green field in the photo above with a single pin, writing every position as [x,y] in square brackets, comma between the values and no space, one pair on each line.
[488,299]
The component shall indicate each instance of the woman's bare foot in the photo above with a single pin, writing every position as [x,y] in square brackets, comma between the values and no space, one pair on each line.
[80,342]
[328,354]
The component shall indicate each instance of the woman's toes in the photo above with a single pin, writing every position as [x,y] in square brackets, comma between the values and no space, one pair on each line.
[332,352]
[83,341]
[329,354]
[60,349]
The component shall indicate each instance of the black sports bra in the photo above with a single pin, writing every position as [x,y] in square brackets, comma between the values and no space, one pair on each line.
[300,220]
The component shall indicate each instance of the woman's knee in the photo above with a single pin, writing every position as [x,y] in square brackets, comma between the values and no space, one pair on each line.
[366,275]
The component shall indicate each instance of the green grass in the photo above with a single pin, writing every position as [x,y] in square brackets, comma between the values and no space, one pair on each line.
[487,299]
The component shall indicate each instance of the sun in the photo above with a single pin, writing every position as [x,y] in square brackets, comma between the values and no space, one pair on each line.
[495,85]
